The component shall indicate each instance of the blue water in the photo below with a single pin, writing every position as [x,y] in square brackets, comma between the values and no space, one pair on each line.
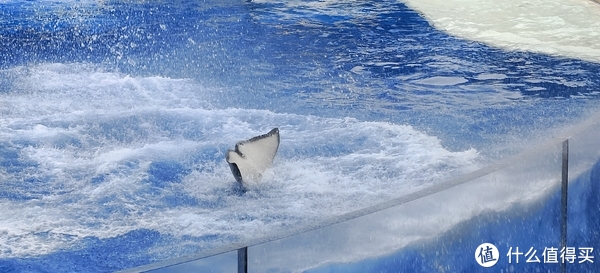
[116,117]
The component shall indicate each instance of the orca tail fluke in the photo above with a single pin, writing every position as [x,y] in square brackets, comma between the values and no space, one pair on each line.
[252,157]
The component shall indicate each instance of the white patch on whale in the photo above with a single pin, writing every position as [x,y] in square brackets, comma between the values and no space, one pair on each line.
[252,157]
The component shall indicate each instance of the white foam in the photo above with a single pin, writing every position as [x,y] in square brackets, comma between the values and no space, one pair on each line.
[91,137]
[564,27]
[438,80]
[493,76]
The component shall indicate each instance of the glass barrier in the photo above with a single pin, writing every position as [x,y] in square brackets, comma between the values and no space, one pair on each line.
[514,205]
[584,197]
[225,262]
[584,150]
[502,196]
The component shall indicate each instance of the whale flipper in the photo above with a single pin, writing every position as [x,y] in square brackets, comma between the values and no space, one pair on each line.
[253,156]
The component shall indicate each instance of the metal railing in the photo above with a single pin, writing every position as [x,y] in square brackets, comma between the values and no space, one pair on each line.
[564,188]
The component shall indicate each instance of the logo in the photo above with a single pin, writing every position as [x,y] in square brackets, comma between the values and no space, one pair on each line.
[487,255]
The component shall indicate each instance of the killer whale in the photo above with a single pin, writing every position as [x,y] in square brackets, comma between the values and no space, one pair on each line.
[252,157]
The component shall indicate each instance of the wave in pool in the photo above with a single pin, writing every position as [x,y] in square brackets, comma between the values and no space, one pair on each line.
[89,153]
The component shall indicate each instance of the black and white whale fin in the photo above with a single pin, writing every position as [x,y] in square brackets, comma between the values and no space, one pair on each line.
[252,157]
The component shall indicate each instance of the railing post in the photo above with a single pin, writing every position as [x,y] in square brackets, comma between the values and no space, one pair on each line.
[243,260]
[563,200]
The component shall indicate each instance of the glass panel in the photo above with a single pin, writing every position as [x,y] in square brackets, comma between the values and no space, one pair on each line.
[584,150]
[584,196]
[226,262]
[515,206]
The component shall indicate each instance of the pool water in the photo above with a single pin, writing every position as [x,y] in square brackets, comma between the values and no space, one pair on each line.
[116,116]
